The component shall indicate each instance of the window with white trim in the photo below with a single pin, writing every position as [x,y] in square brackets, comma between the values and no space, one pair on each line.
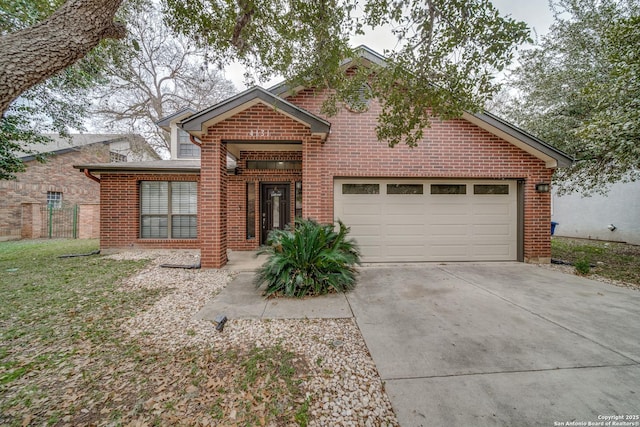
[186,148]
[168,209]
[54,199]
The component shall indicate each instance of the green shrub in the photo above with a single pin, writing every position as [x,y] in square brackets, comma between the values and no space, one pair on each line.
[583,266]
[308,259]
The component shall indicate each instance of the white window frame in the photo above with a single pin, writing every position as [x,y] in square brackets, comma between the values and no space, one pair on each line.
[168,211]
[54,199]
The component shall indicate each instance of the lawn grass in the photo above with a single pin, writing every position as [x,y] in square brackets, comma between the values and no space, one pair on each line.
[617,261]
[64,359]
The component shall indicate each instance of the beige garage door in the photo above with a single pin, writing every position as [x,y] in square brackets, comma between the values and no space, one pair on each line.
[430,220]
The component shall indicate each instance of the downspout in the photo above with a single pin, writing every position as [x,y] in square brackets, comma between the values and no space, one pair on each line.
[88,175]
[193,141]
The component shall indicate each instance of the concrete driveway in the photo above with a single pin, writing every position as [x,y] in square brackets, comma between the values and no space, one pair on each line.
[500,344]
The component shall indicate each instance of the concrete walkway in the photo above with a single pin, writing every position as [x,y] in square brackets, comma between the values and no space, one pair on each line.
[482,344]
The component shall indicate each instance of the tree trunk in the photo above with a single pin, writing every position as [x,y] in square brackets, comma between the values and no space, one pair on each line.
[32,55]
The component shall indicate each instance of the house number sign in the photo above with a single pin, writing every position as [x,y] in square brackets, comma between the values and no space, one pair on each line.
[259,132]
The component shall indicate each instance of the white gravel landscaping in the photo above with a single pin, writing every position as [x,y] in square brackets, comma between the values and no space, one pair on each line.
[343,382]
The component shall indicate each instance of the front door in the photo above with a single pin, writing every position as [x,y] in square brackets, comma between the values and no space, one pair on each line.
[274,208]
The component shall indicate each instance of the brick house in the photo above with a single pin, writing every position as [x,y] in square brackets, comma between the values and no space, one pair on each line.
[476,188]
[57,183]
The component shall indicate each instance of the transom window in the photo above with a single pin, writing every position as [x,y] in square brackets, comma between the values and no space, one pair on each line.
[274,164]
[448,189]
[360,188]
[187,149]
[404,189]
[168,209]
[491,189]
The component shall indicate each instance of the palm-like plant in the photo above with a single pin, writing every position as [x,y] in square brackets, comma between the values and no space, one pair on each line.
[309,259]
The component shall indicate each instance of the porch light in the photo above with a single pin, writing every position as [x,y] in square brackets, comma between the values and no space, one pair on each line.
[542,187]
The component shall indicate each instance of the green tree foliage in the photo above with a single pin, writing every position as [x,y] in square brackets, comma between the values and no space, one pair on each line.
[448,50]
[310,259]
[446,55]
[579,89]
[54,106]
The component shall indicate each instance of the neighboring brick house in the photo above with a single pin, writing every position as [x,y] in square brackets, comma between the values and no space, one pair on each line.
[56,183]
[475,188]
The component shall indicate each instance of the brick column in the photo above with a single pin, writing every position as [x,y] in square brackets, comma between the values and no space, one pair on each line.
[89,221]
[537,220]
[315,184]
[31,221]
[212,205]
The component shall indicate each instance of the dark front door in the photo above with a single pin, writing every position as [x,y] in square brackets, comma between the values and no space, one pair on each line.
[274,208]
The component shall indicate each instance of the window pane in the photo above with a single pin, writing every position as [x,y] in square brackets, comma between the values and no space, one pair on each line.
[251,210]
[54,199]
[360,189]
[154,197]
[448,189]
[275,164]
[184,198]
[186,149]
[404,189]
[491,189]
[184,227]
[154,227]
[298,199]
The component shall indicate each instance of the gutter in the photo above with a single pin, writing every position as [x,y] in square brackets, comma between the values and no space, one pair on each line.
[89,175]
[193,141]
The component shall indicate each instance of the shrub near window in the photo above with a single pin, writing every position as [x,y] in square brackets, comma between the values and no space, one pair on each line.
[309,259]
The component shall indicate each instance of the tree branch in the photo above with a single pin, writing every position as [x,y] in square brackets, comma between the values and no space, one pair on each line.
[32,55]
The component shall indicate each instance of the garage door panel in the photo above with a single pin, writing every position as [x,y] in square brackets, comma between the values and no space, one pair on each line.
[398,242]
[449,230]
[499,250]
[365,231]
[503,209]
[405,250]
[448,209]
[405,209]
[448,251]
[354,208]
[430,227]
[489,230]
[405,229]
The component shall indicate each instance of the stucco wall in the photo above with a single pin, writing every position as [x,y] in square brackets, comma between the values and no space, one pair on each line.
[589,217]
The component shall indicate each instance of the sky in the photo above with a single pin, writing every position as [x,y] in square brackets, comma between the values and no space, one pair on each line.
[535,13]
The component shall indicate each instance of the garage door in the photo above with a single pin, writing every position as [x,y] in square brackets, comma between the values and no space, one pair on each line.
[429,220]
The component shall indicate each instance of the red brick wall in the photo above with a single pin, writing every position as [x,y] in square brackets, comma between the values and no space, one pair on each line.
[89,221]
[222,224]
[58,175]
[450,149]
[120,212]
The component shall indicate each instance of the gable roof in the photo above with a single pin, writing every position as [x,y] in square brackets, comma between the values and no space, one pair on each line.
[198,122]
[165,122]
[60,145]
[520,138]
[284,89]
[552,156]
